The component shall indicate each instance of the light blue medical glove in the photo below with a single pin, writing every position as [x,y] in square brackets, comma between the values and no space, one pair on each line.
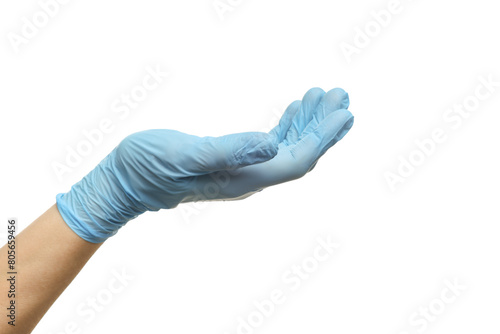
[159,169]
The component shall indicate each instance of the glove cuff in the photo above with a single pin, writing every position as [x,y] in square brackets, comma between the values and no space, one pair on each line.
[97,206]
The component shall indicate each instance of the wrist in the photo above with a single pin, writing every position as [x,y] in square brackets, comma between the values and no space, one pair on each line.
[98,205]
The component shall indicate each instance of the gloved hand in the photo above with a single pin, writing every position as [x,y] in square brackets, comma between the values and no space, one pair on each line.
[158,169]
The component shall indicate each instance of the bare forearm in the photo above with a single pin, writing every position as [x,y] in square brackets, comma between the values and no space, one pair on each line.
[49,255]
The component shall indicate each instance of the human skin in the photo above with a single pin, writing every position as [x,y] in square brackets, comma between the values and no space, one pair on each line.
[49,256]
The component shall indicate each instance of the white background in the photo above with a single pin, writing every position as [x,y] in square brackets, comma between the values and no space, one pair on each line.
[198,275]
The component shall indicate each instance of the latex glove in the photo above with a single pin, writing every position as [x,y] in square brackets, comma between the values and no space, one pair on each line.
[307,129]
[158,169]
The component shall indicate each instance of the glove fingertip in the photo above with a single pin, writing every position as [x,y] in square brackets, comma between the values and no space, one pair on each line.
[334,128]
[341,96]
[347,126]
